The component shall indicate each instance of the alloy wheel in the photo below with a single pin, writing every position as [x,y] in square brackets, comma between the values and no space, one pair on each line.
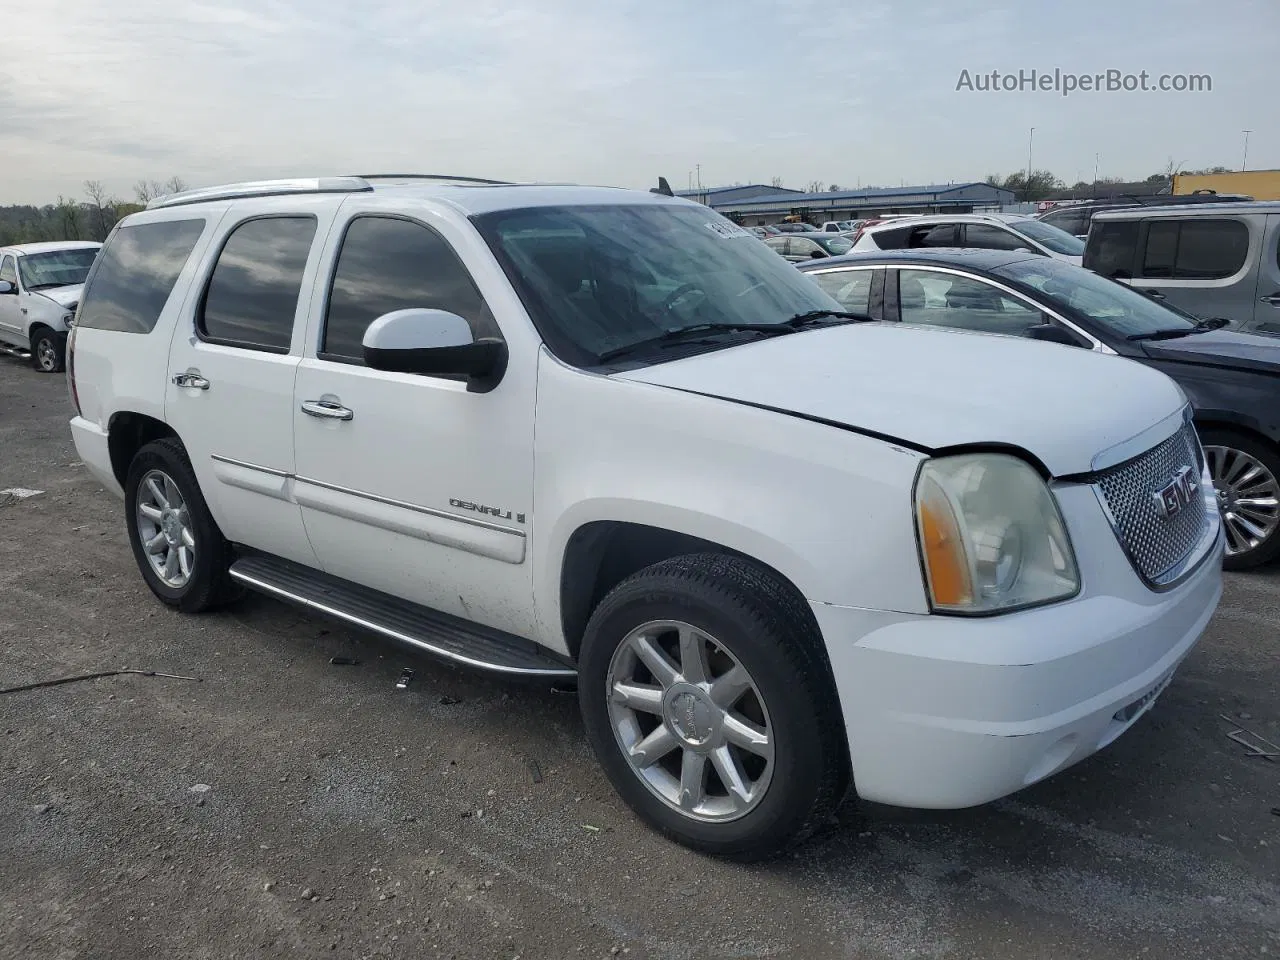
[165,529]
[690,721]
[1248,497]
[47,355]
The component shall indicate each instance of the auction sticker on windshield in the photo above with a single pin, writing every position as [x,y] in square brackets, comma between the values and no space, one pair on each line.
[728,230]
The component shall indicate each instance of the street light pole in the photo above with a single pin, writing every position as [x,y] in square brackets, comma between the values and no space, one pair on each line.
[1244,162]
[1027,184]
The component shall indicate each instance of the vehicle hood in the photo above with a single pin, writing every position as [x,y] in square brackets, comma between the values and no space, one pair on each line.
[934,388]
[1220,348]
[63,296]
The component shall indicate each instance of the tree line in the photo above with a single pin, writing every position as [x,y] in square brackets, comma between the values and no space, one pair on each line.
[71,218]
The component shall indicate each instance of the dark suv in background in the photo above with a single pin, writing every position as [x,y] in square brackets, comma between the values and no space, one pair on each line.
[1076,218]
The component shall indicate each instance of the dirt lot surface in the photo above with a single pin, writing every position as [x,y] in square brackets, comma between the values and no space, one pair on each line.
[285,807]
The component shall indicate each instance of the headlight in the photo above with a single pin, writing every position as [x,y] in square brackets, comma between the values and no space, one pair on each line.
[991,536]
[69,318]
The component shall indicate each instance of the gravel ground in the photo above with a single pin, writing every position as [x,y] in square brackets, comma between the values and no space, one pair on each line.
[280,806]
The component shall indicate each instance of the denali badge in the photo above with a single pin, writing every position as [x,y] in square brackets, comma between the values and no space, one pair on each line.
[1171,498]
[496,512]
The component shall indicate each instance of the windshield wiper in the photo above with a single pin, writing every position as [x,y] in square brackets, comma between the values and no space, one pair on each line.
[698,333]
[813,316]
[1202,326]
[46,286]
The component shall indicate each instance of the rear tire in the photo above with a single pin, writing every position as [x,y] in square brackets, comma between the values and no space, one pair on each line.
[1246,474]
[48,354]
[180,551]
[742,780]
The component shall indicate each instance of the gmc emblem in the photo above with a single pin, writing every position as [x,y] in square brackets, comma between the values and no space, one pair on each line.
[1171,498]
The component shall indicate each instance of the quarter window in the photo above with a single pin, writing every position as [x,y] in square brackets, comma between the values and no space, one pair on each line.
[388,264]
[1194,249]
[852,288]
[252,298]
[947,300]
[134,274]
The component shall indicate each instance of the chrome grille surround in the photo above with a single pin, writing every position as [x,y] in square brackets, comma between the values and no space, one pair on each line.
[1161,549]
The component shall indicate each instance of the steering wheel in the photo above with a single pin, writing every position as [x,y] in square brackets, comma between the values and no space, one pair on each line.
[680,292]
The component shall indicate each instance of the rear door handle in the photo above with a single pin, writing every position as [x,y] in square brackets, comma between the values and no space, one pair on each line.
[191,380]
[326,410]
[1271,298]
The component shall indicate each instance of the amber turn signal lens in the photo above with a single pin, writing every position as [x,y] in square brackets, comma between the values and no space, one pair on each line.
[944,553]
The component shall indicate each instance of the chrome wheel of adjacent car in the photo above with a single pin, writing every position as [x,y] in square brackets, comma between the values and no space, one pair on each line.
[1248,496]
[690,720]
[165,529]
[47,355]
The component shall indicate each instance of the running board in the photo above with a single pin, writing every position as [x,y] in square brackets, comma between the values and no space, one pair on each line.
[12,351]
[439,634]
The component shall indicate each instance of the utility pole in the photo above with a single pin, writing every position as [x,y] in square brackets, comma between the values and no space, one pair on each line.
[699,166]
[1095,173]
[1027,184]
[1244,162]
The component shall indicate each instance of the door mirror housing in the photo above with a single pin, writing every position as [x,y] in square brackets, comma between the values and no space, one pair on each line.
[7,287]
[434,343]
[1052,333]
[817,255]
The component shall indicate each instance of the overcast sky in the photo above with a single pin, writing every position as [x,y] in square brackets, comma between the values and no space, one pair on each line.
[618,91]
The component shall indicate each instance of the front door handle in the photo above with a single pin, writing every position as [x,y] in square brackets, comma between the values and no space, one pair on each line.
[326,410]
[191,380]
[1271,298]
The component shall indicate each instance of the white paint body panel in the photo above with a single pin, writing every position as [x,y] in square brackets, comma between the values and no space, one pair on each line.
[782,449]
[940,388]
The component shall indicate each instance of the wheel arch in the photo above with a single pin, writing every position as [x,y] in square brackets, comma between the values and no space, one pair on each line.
[127,433]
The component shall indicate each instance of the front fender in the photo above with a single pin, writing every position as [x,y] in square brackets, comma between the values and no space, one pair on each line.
[827,508]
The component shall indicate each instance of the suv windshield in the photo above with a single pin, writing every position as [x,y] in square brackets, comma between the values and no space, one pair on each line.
[57,268]
[1046,234]
[1112,304]
[597,278]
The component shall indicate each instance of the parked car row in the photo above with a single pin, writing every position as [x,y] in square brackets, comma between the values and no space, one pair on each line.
[578,433]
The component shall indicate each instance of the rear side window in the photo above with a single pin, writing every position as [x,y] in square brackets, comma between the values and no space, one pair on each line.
[892,239]
[253,294]
[1074,222]
[851,287]
[135,273]
[1112,248]
[992,238]
[389,264]
[1210,249]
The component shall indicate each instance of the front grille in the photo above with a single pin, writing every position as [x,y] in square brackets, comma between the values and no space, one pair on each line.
[1156,544]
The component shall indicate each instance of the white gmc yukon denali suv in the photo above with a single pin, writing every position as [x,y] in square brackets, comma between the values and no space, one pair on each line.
[565,432]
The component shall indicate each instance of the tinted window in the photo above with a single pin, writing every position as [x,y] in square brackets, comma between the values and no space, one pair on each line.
[946,300]
[992,238]
[1162,247]
[943,235]
[135,273]
[7,271]
[852,288]
[1112,248]
[1211,249]
[1074,222]
[253,293]
[387,265]
[891,239]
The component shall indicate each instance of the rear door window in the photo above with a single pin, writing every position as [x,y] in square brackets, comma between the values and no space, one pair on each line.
[1211,249]
[941,235]
[852,288]
[964,303]
[1162,248]
[986,237]
[134,274]
[252,296]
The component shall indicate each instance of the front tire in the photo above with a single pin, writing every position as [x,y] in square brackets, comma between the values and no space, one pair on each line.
[1246,476]
[48,352]
[179,549]
[708,702]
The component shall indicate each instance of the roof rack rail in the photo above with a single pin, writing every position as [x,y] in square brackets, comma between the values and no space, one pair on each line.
[430,176]
[263,188]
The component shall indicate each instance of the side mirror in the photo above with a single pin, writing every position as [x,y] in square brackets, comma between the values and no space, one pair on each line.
[1052,333]
[7,287]
[817,255]
[434,343]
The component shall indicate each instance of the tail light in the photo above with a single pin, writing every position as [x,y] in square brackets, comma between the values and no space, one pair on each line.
[71,369]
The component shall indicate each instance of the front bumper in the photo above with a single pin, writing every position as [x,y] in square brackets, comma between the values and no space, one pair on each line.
[948,712]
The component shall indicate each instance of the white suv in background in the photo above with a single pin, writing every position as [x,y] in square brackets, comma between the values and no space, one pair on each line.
[570,432]
[40,286]
[986,231]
